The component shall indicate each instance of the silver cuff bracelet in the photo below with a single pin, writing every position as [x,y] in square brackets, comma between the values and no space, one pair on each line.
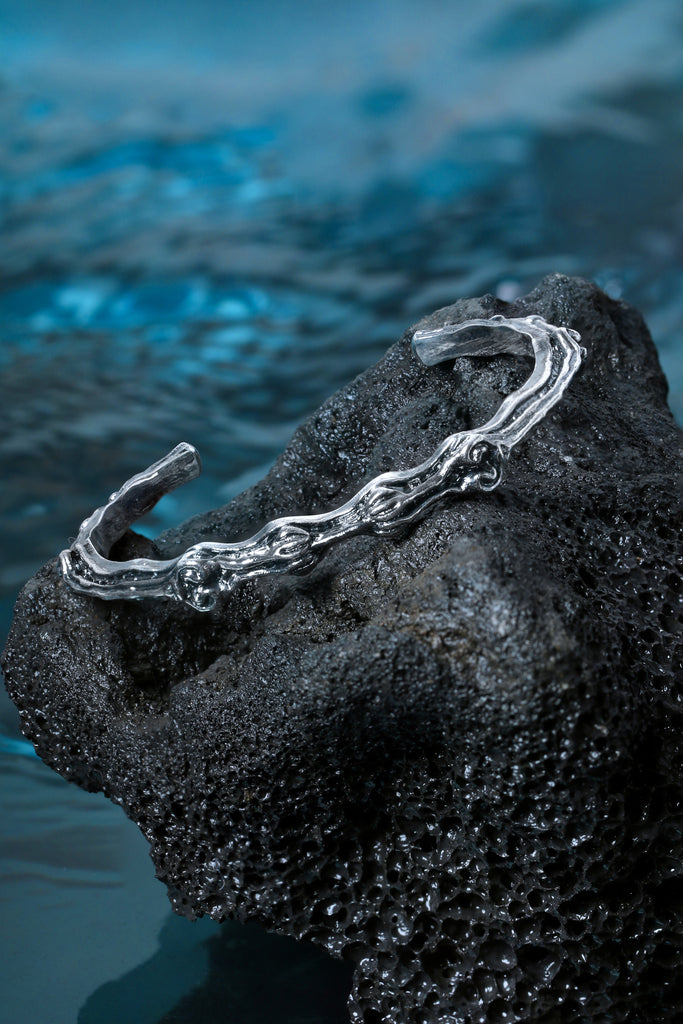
[467,461]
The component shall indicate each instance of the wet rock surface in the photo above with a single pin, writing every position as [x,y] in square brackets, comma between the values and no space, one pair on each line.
[454,758]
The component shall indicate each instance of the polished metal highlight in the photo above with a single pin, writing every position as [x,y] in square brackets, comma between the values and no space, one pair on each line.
[468,461]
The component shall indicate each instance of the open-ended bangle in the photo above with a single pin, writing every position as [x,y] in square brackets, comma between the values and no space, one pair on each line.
[467,461]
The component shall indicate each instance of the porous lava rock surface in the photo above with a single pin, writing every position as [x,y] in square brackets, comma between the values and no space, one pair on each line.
[454,758]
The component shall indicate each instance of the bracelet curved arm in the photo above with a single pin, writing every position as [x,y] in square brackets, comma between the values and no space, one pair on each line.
[466,461]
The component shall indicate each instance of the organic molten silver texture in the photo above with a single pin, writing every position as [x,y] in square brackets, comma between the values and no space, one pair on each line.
[467,461]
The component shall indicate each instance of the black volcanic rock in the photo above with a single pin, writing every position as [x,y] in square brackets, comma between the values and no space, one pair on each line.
[455,758]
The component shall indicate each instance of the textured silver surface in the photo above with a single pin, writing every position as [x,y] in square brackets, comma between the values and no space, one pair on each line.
[466,461]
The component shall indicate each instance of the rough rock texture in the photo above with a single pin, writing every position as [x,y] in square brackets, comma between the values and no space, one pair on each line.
[453,758]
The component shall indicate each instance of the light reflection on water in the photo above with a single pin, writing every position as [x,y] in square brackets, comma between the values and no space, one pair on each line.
[208,264]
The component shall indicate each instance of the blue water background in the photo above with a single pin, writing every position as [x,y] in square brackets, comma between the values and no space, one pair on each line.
[211,217]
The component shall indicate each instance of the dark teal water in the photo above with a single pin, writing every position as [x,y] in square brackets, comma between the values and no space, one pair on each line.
[207,225]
